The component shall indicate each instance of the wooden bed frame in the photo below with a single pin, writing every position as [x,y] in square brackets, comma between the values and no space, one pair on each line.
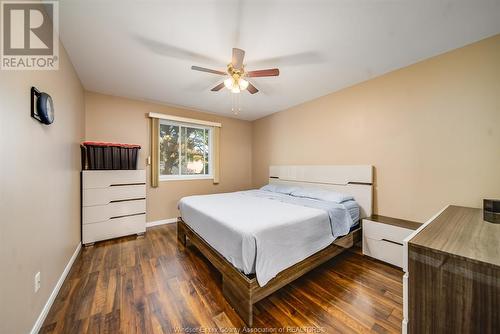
[243,291]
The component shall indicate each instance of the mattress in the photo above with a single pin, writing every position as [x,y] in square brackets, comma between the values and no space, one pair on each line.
[263,232]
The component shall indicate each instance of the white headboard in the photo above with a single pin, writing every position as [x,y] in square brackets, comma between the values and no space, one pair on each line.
[356,181]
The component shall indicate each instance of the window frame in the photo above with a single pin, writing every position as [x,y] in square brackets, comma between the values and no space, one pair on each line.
[179,176]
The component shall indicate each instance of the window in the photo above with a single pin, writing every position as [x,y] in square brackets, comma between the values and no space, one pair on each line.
[185,151]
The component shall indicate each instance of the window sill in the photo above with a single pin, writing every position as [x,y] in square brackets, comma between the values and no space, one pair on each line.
[186,177]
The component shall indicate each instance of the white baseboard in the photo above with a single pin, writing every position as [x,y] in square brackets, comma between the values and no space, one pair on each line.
[161,222]
[53,295]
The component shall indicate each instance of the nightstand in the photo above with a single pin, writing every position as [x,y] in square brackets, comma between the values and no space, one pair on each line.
[383,238]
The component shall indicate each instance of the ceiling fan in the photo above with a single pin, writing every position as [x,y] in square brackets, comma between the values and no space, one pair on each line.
[236,81]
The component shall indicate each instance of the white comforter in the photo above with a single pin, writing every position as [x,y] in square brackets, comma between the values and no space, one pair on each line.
[264,233]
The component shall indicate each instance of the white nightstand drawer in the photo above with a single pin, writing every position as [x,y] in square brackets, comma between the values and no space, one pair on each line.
[383,250]
[384,240]
[379,231]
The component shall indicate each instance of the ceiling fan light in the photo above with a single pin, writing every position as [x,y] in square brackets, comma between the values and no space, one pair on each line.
[235,89]
[228,83]
[243,84]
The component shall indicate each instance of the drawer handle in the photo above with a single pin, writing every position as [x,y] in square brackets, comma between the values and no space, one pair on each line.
[392,242]
[127,184]
[126,200]
[134,214]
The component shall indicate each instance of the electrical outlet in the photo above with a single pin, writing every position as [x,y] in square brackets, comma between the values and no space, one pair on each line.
[38,281]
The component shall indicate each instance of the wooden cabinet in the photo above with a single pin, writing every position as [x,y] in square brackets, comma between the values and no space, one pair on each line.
[113,204]
[452,279]
[383,238]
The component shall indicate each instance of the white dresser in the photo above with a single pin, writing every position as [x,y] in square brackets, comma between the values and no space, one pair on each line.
[383,238]
[113,204]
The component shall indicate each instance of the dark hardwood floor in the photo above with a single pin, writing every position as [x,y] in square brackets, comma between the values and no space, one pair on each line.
[152,285]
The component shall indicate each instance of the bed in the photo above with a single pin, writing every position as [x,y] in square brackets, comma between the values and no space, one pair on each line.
[260,240]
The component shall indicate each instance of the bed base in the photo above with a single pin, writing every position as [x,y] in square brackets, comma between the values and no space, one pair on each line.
[242,291]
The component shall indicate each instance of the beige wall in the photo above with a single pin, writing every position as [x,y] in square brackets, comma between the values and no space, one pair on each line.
[117,119]
[39,189]
[432,131]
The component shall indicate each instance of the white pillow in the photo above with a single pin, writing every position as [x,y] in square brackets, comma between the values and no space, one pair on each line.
[278,188]
[321,194]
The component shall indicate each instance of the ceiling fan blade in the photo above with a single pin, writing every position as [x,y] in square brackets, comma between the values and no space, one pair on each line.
[295,59]
[251,89]
[272,72]
[204,69]
[238,55]
[218,87]
[172,51]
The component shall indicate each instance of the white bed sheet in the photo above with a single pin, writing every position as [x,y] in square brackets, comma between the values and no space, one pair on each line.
[261,232]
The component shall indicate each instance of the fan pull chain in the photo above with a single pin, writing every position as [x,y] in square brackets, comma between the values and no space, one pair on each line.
[235,104]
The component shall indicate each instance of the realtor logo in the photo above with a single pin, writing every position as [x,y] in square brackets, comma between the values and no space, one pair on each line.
[29,35]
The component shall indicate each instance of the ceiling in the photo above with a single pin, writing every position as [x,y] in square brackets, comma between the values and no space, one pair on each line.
[144,49]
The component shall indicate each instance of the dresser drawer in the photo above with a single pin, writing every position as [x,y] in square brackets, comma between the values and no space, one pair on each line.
[105,179]
[380,231]
[103,196]
[113,228]
[99,213]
